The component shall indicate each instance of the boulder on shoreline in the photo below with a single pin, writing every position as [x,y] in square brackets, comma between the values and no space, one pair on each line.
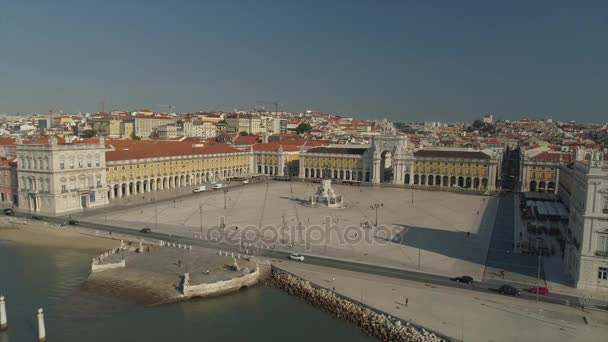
[373,323]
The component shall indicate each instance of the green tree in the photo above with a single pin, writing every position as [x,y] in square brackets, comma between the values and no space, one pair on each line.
[243,134]
[89,133]
[477,124]
[134,137]
[303,127]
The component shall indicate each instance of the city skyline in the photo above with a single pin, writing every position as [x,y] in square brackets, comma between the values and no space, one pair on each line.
[403,61]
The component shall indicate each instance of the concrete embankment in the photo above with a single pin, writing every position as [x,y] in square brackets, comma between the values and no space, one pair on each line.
[372,322]
[153,275]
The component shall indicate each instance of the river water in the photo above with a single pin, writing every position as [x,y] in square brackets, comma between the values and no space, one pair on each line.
[33,277]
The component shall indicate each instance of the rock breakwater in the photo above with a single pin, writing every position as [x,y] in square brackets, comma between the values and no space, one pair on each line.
[384,327]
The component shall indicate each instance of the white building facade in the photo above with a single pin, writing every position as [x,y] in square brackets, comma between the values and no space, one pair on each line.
[59,178]
[583,188]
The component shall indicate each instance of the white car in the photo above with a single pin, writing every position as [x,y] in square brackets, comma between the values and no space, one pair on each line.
[296,257]
[200,189]
[246,181]
[218,186]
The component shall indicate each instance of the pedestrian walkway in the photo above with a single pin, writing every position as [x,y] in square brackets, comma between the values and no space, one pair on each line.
[459,313]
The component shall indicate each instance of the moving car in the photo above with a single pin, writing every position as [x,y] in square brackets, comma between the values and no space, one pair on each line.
[246,181]
[145,230]
[463,279]
[295,256]
[541,290]
[199,189]
[218,186]
[509,290]
[9,211]
[73,222]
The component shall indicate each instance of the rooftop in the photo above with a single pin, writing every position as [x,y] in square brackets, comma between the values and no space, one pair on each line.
[424,153]
[338,150]
[140,149]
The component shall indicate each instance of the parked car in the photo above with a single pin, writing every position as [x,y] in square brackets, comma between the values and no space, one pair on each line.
[200,189]
[246,181]
[145,230]
[218,186]
[73,222]
[295,256]
[509,290]
[9,211]
[463,279]
[541,290]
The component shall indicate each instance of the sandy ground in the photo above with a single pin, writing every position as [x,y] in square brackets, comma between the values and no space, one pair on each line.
[42,234]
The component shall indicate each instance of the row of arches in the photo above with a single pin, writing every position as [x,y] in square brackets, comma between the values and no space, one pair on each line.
[352,175]
[475,183]
[134,187]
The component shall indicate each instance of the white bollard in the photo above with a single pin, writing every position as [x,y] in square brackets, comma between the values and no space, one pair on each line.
[41,330]
[190,247]
[3,322]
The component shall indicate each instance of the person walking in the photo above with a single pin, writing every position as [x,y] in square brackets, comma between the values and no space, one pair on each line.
[406,301]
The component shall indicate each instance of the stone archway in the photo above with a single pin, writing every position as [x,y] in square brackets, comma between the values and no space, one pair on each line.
[383,148]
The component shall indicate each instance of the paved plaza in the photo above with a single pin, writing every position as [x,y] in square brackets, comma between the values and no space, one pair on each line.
[431,231]
[459,313]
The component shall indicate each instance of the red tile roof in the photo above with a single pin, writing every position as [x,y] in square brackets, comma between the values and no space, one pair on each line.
[274,147]
[7,140]
[553,157]
[140,149]
[246,139]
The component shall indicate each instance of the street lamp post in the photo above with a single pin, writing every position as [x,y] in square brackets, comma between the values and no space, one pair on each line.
[375,206]
[200,209]
[225,192]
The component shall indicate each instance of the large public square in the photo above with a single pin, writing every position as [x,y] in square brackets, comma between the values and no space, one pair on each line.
[431,231]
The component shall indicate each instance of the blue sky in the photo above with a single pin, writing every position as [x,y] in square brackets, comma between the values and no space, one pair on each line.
[406,60]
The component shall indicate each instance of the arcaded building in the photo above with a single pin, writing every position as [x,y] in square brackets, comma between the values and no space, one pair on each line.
[388,160]
[136,167]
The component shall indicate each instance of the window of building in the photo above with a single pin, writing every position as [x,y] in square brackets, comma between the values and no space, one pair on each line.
[97,162]
[602,273]
[80,163]
[602,245]
[89,162]
[71,163]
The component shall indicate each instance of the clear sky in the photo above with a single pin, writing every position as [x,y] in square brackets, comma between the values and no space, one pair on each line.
[405,60]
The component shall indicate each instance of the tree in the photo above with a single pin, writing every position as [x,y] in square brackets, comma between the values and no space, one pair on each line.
[243,134]
[134,137]
[89,133]
[303,127]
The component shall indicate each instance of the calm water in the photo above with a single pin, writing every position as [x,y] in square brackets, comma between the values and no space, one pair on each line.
[32,277]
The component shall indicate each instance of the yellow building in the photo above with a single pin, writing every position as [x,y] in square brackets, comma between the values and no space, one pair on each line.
[387,161]
[339,163]
[276,159]
[539,170]
[135,167]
